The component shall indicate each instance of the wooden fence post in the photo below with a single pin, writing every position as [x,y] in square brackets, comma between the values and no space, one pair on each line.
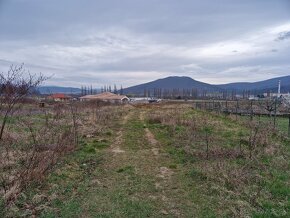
[275,113]
[252,111]
[237,105]
[226,108]
[288,125]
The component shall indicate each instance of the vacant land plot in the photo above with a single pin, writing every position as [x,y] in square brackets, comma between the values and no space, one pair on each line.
[164,160]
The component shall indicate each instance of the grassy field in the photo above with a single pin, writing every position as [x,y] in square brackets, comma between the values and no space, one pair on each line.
[165,160]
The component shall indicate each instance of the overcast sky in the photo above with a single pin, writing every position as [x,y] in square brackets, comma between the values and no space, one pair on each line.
[129,42]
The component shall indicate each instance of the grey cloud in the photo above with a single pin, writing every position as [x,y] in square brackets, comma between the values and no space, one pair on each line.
[132,41]
[283,36]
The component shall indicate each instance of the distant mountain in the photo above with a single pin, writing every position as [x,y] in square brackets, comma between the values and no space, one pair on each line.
[170,83]
[266,85]
[175,82]
[58,89]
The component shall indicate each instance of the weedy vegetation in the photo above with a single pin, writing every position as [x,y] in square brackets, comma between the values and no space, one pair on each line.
[239,167]
[95,159]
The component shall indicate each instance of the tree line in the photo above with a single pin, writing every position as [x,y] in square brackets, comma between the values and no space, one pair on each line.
[89,90]
[196,93]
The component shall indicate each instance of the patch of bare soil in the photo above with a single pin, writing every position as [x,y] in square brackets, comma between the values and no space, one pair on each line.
[165,185]
[115,147]
[117,150]
[155,151]
[150,137]
[165,173]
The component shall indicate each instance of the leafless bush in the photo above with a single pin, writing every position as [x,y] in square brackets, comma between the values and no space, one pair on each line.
[32,148]
[94,117]
[15,85]
[31,141]
[259,137]
[155,119]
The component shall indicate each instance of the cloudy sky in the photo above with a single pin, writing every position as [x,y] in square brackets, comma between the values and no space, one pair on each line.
[134,41]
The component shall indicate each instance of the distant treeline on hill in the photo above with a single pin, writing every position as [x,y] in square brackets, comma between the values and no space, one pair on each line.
[199,94]
[182,87]
[175,87]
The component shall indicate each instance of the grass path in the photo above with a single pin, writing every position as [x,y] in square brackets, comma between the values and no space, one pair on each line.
[135,179]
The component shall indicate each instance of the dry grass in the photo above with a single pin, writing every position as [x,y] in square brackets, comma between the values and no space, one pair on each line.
[243,174]
[152,161]
[33,144]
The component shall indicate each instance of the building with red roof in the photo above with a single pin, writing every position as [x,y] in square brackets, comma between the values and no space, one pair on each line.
[59,97]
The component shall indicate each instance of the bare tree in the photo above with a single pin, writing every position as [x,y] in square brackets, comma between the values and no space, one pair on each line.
[15,85]
[208,130]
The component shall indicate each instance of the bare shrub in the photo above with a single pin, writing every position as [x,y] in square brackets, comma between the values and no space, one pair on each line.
[15,85]
[31,141]
[259,137]
[34,149]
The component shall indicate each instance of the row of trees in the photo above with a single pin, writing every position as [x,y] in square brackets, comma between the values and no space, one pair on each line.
[89,90]
[177,93]
[200,93]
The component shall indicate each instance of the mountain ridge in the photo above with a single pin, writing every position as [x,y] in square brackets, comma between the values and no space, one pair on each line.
[58,89]
[171,82]
[186,82]
[260,85]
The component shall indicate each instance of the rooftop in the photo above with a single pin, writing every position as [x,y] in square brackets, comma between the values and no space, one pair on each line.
[105,96]
[59,95]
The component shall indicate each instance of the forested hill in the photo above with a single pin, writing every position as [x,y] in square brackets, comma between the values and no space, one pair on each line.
[170,83]
[175,82]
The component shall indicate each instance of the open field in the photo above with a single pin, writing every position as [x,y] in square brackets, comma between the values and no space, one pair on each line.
[160,160]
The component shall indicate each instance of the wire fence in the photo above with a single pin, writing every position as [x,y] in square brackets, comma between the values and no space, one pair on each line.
[272,112]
